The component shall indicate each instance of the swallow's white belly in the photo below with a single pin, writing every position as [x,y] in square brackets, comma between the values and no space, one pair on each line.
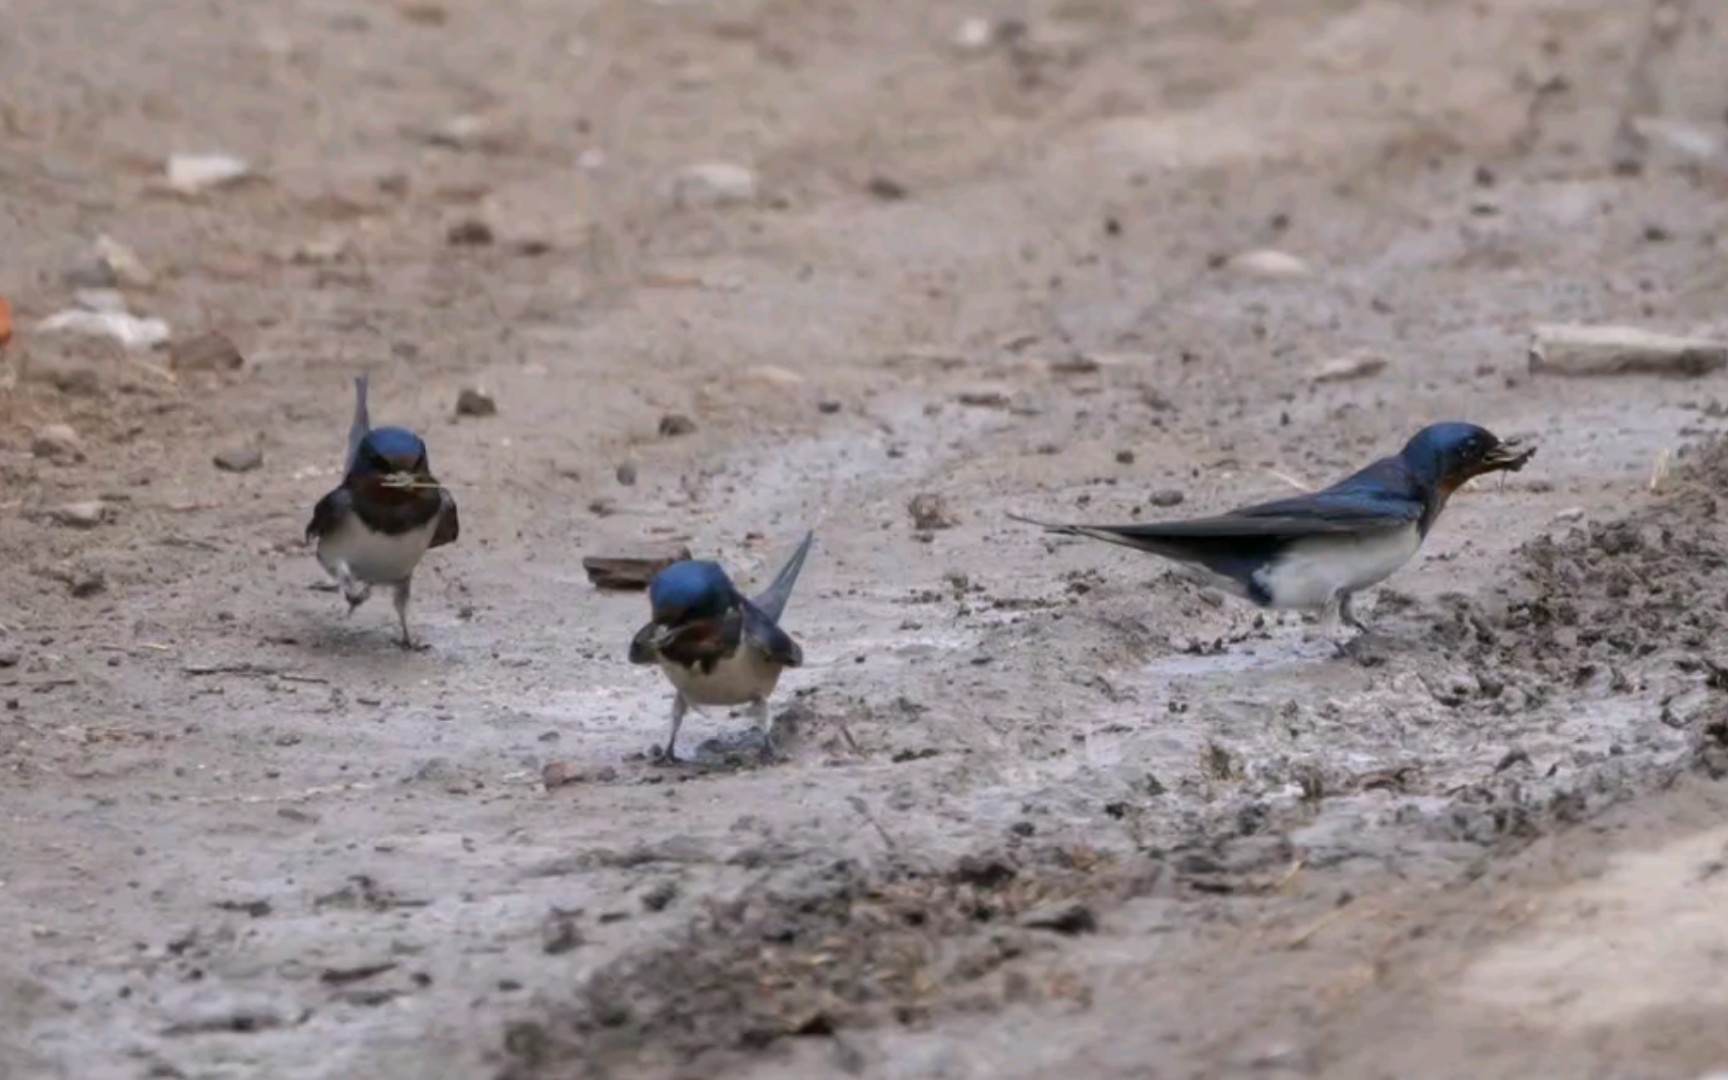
[373,557]
[739,679]
[1315,571]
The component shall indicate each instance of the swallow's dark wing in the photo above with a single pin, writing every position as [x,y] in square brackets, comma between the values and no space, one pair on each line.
[448,525]
[763,635]
[329,512]
[772,600]
[1286,520]
[1238,543]
[361,425]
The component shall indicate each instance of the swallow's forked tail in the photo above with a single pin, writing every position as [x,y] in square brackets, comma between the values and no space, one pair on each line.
[362,421]
[1108,534]
[772,600]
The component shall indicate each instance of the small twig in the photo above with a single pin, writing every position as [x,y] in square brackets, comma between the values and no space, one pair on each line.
[859,805]
[160,372]
[1293,481]
[1659,472]
[1303,936]
[846,733]
[247,668]
[410,482]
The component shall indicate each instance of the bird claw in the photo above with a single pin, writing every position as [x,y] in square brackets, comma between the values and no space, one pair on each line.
[770,754]
[1365,649]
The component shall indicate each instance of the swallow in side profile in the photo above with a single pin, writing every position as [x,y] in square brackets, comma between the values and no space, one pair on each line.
[1316,550]
[386,514]
[716,646]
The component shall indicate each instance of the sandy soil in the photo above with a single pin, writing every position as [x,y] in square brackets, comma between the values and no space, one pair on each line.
[1049,809]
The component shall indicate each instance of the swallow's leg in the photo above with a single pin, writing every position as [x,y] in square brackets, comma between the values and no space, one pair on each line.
[1347,615]
[765,724]
[669,754]
[401,593]
[355,592]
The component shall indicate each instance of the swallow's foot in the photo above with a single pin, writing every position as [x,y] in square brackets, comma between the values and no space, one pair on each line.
[1367,649]
[1348,616]
[664,755]
[769,751]
[408,644]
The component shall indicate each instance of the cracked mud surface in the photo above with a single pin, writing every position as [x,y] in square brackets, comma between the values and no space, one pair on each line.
[1049,808]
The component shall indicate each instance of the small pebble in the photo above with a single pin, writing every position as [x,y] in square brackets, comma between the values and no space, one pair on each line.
[206,352]
[886,188]
[560,773]
[930,511]
[627,473]
[984,399]
[1347,368]
[660,896]
[471,402]
[974,34]
[469,232]
[9,656]
[1064,917]
[58,443]
[1168,497]
[713,183]
[239,459]
[675,424]
[1124,457]
[88,583]
[190,174]
[82,515]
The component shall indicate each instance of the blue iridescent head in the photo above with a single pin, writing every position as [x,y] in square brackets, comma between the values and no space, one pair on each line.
[1446,455]
[690,591]
[388,450]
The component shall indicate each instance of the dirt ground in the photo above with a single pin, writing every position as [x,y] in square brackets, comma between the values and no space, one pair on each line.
[1049,809]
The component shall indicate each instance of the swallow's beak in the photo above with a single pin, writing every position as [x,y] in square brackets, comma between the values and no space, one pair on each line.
[645,646]
[1509,455]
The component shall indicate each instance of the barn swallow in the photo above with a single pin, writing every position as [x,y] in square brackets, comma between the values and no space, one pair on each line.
[1311,551]
[716,646]
[388,511]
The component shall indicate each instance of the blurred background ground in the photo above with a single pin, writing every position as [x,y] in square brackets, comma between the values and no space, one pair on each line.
[1049,808]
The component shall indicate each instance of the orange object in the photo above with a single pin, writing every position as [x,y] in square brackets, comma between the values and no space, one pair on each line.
[5,322]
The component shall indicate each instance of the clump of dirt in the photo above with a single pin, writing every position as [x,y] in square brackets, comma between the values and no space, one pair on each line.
[1651,586]
[844,947]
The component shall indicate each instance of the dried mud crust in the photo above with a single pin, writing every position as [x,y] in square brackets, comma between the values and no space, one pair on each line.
[848,946]
[1615,608]
[1652,585]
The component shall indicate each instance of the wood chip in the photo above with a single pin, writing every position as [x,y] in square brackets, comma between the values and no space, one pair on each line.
[209,351]
[1577,350]
[634,570]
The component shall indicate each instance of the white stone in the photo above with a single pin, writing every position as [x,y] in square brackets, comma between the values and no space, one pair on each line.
[190,174]
[1271,263]
[713,183]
